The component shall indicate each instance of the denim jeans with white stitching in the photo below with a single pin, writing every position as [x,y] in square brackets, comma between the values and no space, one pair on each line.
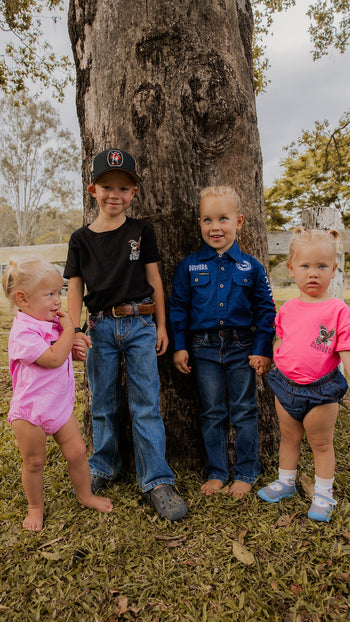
[136,337]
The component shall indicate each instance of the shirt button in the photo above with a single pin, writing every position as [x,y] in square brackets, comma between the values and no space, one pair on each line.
[221,285]
[196,280]
[222,268]
[221,304]
[245,280]
[221,322]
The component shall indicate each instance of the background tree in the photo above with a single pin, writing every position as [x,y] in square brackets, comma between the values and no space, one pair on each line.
[8,229]
[25,56]
[315,173]
[55,226]
[38,160]
[172,82]
[329,29]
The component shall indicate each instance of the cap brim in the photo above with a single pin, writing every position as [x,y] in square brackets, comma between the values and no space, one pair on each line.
[117,168]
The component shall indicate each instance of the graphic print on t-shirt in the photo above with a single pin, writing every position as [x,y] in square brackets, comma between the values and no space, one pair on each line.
[134,249]
[324,339]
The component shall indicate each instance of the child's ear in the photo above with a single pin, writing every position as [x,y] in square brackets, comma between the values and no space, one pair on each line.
[240,221]
[21,299]
[290,268]
[92,190]
[334,269]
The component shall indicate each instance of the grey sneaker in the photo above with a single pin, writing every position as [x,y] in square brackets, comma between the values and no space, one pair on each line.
[97,483]
[167,503]
[273,493]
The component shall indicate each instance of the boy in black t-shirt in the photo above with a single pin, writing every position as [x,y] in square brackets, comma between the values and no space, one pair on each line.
[115,257]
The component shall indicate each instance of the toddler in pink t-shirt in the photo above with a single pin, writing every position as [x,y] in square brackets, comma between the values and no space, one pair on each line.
[40,360]
[313,338]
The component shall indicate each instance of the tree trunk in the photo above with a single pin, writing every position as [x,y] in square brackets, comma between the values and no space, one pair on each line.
[171,81]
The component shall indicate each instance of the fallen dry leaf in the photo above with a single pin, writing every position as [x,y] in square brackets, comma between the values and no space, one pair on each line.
[242,554]
[122,606]
[52,556]
[307,484]
[296,589]
[42,546]
[241,536]
[283,520]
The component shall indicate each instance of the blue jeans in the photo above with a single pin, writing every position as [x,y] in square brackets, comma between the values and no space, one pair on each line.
[227,388]
[136,337]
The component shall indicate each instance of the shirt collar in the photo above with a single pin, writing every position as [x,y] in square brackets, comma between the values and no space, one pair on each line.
[24,317]
[207,252]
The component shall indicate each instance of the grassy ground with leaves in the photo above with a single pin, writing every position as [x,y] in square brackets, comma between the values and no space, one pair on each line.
[227,560]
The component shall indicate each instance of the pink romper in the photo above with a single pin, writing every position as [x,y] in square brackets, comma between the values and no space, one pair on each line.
[41,395]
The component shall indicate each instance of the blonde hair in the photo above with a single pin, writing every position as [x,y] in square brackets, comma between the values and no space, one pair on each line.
[305,236]
[26,275]
[222,191]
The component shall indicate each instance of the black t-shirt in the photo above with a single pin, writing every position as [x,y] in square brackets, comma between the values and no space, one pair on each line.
[112,263]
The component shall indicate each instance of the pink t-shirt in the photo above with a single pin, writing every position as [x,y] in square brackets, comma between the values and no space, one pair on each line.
[312,335]
[41,395]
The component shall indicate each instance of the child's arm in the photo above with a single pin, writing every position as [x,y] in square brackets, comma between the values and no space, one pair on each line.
[56,354]
[153,278]
[75,303]
[345,357]
[180,360]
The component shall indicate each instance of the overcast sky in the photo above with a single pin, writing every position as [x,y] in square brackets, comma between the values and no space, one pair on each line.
[301,91]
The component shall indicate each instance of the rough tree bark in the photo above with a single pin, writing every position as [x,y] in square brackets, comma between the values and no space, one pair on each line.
[171,81]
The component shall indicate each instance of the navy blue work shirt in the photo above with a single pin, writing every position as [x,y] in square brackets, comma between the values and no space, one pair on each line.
[212,291]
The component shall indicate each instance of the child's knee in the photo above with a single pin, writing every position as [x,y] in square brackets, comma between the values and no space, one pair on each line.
[35,463]
[75,453]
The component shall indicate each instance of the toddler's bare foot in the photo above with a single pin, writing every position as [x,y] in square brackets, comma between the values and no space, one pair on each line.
[239,489]
[34,520]
[211,486]
[101,504]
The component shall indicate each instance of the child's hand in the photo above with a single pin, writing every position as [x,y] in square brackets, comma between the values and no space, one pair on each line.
[261,364]
[80,347]
[162,341]
[180,360]
[64,319]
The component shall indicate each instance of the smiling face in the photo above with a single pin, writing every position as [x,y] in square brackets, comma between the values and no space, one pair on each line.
[44,302]
[219,221]
[113,192]
[313,267]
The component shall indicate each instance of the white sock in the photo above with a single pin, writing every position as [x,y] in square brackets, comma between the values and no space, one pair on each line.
[324,486]
[287,477]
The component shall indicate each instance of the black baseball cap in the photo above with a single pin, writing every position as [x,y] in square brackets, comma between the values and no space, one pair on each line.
[112,159]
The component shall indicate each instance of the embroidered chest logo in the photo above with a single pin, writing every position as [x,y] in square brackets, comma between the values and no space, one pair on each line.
[244,266]
[134,249]
[324,340]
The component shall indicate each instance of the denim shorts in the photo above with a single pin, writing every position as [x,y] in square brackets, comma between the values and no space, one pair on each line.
[299,399]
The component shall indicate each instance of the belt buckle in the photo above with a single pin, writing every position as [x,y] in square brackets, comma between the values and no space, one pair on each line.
[116,315]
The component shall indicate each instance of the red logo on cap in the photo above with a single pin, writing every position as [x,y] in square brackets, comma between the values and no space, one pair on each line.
[115,158]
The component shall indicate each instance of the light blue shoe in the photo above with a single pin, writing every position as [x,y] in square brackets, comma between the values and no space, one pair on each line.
[274,492]
[321,508]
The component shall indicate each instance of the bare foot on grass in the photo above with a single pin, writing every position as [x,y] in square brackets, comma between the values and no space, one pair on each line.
[211,486]
[101,504]
[239,489]
[34,520]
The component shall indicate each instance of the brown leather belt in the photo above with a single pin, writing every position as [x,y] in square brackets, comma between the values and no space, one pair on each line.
[144,308]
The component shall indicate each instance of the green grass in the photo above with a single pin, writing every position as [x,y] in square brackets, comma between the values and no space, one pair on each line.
[133,565]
